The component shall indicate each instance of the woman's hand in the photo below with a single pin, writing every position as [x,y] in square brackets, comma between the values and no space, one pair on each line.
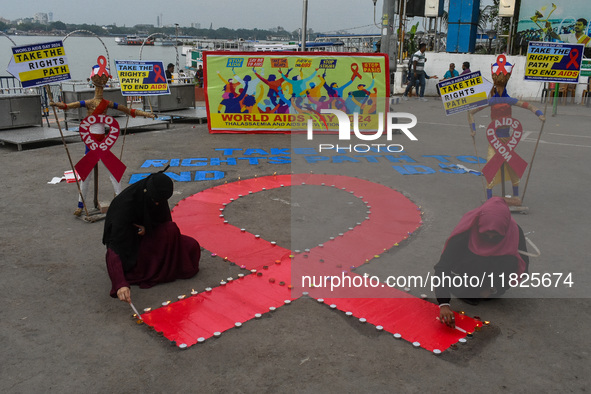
[446,315]
[141,230]
[124,294]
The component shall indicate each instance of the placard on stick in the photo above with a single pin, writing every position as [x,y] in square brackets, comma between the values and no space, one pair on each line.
[142,78]
[39,64]
[553,62]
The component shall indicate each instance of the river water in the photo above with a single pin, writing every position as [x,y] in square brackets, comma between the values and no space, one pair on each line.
[82,52]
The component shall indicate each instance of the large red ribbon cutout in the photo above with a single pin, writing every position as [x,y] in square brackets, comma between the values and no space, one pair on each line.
[100,147]
[391,219]
[505,152]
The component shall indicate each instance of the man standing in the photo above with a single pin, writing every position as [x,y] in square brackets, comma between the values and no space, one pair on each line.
[417,72]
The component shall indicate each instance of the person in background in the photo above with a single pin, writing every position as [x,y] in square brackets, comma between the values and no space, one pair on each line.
[199,76]
[417,72]
[486,243]
[169,71]
[451,73]
[465,68]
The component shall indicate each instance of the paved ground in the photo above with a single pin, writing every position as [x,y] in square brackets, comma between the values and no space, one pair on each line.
[61,332]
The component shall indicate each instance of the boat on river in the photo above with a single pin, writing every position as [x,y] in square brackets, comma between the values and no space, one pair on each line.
[134,40]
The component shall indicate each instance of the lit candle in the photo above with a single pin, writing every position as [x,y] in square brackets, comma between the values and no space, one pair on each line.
[165,303]
[146,310]
[182,296]
[193,292]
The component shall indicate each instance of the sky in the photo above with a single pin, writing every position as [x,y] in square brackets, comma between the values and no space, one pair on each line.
[323,15]
[355,16]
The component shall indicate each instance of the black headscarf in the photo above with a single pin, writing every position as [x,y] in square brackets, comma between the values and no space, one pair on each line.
[143,203]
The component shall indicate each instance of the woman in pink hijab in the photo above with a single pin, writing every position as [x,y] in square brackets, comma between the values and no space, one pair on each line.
[485,244]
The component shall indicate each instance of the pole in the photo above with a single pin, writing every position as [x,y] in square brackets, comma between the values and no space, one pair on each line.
[555,102]
[531,163]
[388,42]
[401,29]
[304,25]
[96,174]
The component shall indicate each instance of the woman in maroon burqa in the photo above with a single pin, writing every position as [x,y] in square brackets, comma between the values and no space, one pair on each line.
[487,241]
[144,245]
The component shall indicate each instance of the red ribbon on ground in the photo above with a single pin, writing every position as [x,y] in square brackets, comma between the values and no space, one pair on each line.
[505,152]
[196,318]
[355,70]
[99,147]
[573,54]
[158,74]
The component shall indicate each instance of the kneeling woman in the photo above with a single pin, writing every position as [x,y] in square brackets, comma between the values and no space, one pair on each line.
[144,246]
[485,244]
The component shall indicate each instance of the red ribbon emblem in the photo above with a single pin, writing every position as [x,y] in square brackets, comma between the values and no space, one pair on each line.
[158,74]
[574,57]
[102,62]
[501,61]
[505,152]
[355,70]
[100,147]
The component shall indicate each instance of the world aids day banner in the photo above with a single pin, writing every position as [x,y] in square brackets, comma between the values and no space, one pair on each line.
[278,92]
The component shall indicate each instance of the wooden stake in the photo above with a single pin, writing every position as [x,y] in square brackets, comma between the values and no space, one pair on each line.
[531,163]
